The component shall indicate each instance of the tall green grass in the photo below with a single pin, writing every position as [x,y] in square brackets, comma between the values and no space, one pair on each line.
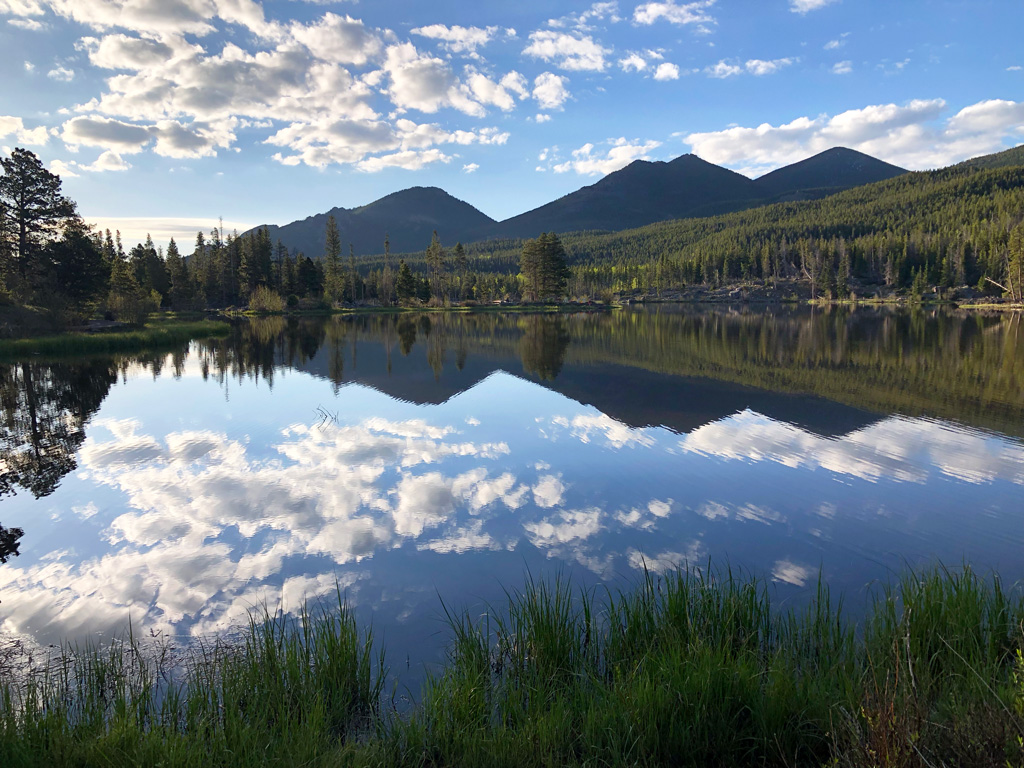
[693,668]
[154,335]
[292,692]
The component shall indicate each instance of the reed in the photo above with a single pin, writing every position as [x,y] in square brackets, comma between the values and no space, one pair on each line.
[694,668]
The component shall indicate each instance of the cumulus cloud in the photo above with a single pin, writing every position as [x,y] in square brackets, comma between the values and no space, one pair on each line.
[458,39]
[842,68]
[550,90]
[759,67]
[61,74]
[582,21]
[351,141]
[470,168]
[339,39]
[805,6]
[666,71]
[171,138]
[14,126]
[588,162]
[575,52]
[687,13]
[911,135]
[756,67]
[633,63]
[29,25]
[22,7]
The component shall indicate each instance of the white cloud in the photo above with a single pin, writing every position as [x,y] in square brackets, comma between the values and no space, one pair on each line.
[470,168]
[687,13]
[549,90]
[568,51]
[29,66]
[61,74]
[633,63]
[1015,68]
[666,71]
[29,25]
[541,118]
[172,139]
[410,160]
[339,39]
[759,67]
[805,6]
[351,141]
[756,67]
[458,39]
[14,126]
[22,7]
[582,21]
[911,135]
[842,68]
[832,45]
[516,83]
[426,83]
[723,69]
[108,161]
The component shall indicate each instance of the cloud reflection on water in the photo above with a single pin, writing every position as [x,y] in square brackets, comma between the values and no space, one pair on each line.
[209,526]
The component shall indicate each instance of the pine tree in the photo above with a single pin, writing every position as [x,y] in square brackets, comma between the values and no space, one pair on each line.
[461,266]
[406,284]
[435,269]
[333,287]
[1015,264]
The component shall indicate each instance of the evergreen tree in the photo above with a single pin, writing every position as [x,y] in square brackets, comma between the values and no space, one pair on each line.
[435,270]
[33,209]
[406,284]
[333,284]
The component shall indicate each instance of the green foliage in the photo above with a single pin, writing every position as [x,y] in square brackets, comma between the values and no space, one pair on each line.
[263,299]
[694,668]
[542,268]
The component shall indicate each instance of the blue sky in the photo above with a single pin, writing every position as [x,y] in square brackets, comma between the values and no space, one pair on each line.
[163,115]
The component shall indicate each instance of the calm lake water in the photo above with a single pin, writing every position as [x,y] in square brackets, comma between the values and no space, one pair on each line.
[408,459]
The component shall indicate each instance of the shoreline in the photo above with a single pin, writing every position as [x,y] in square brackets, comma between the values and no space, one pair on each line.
[170,327]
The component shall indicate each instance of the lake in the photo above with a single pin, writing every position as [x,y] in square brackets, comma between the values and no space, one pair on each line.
[409,459]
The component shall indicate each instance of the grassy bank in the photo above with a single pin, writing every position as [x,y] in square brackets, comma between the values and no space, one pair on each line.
[681,670]
[152,335]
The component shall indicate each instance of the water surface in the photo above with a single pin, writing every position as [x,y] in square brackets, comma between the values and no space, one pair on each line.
[410,458]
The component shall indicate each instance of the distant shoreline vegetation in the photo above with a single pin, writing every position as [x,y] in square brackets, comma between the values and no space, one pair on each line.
[692,668]
[954,235]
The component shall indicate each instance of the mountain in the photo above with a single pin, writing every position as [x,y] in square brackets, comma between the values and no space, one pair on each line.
[408,217]
[831,171]
[641,193]
[1006,159]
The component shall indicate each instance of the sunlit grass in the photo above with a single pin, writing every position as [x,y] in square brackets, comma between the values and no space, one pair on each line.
[693,668]
[150,336]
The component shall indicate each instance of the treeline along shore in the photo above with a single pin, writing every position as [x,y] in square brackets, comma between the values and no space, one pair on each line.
[955,234]
[693,668]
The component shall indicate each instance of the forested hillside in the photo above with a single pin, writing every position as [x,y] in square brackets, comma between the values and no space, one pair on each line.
[953,233]
[942,228]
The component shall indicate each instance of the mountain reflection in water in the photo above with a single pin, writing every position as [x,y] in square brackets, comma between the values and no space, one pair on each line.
[403,457]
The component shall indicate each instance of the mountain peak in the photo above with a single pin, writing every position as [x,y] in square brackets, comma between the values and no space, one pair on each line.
[827,172]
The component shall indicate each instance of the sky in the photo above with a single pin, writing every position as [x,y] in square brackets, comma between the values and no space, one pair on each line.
[168,116]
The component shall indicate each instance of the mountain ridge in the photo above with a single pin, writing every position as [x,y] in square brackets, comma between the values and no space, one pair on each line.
[643,192]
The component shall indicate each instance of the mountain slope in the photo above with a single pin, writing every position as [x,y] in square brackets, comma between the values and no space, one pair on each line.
[641,193]
[1005,159]
[828,172]
[408,217]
